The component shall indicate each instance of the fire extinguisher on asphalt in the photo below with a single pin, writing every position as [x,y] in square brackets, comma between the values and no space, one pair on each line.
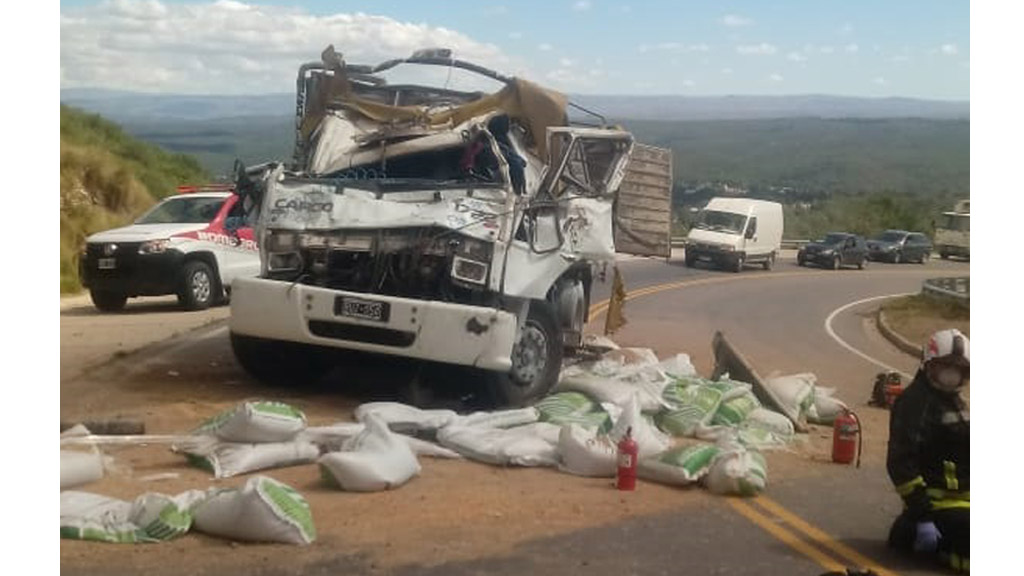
[846,438]
[625,477]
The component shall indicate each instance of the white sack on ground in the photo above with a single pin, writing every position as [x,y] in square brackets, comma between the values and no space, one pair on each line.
[693,407]
[406,419]
[78,468]
[826,406]
[424,448]
[564,408]
[330,438]
[737,471]
[227,459]
[586,453]
[648,438]
[375,460]
[530,445]
[678,466]
[151,517]
[617,376]
[795,394]
[678,366]
[500,418]
[251,422]
[264,510]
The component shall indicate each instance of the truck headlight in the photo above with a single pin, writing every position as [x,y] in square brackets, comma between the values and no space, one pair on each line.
[469,270]
[154,246]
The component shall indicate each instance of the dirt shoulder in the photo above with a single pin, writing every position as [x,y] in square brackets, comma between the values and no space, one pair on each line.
[915,318]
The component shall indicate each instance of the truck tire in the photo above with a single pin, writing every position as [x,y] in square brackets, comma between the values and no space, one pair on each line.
[769,262]
[536,360]
[737,265]
[690,261]
[199,287]
[279,362]
[837,263]
[107,300]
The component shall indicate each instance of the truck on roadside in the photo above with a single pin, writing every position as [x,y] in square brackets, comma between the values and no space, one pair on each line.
[417,221]
[953,232]
[733,232]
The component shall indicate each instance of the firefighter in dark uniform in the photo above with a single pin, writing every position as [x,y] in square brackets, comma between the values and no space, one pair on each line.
[929,455]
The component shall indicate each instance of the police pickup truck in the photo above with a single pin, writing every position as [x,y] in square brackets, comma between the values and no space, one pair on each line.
[192,244]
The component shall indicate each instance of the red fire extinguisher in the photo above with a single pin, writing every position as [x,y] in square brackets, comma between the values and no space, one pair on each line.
[846,436]
[625,478]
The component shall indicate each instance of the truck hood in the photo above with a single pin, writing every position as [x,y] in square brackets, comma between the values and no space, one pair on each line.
[712,237]
[144,232]
[303,204]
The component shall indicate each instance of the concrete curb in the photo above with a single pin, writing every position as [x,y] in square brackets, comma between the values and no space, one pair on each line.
[897,340]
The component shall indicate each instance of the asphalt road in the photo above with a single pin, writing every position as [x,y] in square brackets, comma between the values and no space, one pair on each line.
[815,515]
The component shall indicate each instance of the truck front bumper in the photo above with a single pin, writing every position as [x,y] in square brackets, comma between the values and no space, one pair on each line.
[437,331]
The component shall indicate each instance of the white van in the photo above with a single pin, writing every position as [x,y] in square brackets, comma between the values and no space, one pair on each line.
[732,232]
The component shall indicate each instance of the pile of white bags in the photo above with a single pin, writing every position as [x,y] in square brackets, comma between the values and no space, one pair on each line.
[376,459]
[264,510]
[149,518]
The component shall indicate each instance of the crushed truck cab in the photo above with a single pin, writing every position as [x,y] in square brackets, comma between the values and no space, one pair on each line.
[415,221]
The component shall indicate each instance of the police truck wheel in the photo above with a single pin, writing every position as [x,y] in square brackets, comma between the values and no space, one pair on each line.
[198,286]
[108,301]
[279,362]
[536,360]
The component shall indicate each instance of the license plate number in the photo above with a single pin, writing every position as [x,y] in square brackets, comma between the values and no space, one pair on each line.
[362,309]
[703,258]
[107,263]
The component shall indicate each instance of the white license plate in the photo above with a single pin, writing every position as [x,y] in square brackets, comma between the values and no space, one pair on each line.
[107,263]
[705,258]
[362,309]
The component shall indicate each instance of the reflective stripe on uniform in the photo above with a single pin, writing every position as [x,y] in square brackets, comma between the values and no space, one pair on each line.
[940,494]
[907,488]
[951,482]
[950,503]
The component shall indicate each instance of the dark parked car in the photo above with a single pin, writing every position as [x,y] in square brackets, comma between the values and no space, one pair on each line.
[836,250]
[900,246]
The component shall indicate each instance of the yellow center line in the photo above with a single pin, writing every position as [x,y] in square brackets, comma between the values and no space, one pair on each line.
[794,542]
[820,537]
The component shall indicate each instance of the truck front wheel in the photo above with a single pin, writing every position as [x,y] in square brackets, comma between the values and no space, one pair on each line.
[279,362]
[536,360]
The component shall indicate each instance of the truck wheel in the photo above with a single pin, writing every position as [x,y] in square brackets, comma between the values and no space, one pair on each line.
[897,258]
[769,262]
[198,286]
[279,362]
[738,264]
[689,261]
[536,360]
[108,301]
[836,263]
[863,262]
[944,255]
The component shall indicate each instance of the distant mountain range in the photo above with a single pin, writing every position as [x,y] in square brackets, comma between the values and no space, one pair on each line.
[136,107]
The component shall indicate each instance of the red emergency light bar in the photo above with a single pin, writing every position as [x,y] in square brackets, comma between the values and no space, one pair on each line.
[192,189]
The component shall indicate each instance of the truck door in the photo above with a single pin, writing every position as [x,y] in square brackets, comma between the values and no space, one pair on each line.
[643,207]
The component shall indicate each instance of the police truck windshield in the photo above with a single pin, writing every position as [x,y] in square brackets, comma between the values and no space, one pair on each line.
[183,210]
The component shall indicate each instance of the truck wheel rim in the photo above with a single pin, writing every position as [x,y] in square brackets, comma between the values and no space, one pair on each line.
[200,286]
[529,356]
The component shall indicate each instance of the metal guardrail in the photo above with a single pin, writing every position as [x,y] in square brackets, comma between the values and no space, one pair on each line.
[957,288]
[788,244]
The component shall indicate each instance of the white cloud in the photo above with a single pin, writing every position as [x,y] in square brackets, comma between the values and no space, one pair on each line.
[900,59]
[851,48]
[689,83]
[734,21]
[515,35]
[847,29]
[726,71]
[949,49]
[496,11]
[565,63]
[625,9]
[581,6]
[826,49]
[545,47]
[762,49]
[231,47]
[878,80]
[796,57]
[776,77]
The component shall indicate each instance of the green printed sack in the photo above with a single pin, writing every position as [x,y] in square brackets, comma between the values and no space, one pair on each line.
[264,510]
[679,466]
[150,518]
[566,408]
[734,411]
[251,422]
[697,405]
[739,472]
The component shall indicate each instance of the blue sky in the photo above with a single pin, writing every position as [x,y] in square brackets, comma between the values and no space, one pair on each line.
[912,48]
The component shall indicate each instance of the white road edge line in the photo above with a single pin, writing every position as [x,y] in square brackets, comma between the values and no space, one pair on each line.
[832,333]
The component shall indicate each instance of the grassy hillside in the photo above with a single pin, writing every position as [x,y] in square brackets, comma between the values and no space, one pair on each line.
[108,178]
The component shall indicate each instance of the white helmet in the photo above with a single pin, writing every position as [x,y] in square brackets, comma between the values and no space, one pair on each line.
[948,346]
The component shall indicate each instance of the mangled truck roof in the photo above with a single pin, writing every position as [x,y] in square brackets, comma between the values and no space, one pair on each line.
[349,117]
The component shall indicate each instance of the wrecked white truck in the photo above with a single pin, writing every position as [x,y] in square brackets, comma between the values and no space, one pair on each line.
[462,228]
